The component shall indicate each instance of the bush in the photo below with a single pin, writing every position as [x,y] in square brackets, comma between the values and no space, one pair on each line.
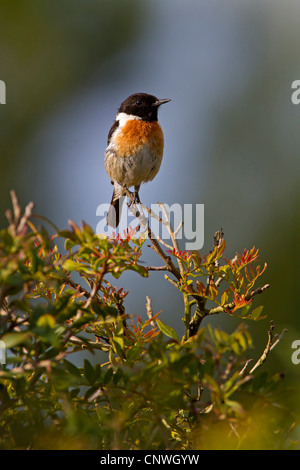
[82,373]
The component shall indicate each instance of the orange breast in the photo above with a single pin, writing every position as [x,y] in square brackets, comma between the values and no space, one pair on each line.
[136,134]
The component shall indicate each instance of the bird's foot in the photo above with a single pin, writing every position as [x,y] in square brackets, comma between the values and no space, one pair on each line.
[134,198]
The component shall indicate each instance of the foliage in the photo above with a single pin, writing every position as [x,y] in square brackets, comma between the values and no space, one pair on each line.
[82,373]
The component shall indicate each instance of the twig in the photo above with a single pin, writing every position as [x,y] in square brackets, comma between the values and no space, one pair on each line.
[155,216]
[17,223]
[162,221]
[34,365]
[26,216]
[180,225]
[96,287]
[245,367]
[156,268]
[278,338]
[231,305]
[218,239]
[201,311]
[259,290]
[16,207]
[77,287]
[270,345]
[169,226]
[218,281]
[167,259]
[149,310]
[89,344]
[178,273]
[160,240]
[153,238]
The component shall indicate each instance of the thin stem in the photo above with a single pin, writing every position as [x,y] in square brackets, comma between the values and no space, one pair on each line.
[270,345]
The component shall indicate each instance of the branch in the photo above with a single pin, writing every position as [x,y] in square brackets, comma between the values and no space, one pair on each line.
[172,235]
[149,311]
[77,287]
[89,344]
[257,291]
[231,305]
[201,311]
[169,265]
[96,287]
[47,363]
[156,268]
[26,216]
[16,222]
[68,333]
[270,345]
[218,239]
[167,259]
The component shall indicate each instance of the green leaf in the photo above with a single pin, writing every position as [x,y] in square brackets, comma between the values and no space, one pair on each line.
[15,280]
[134,353]
[73,370]
[88,371]
[7,240]
[196,258]
[47,335]
[108,375]
[12,340]
[256,312]
[118,344]
[71,265]
[104,310]
[68,235]
[225,297]
[69,244]
[246,310]
[139,269]
[100,262]
[167,330]
[86,317]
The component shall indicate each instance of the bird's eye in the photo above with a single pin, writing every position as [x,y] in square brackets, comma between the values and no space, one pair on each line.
[138,102]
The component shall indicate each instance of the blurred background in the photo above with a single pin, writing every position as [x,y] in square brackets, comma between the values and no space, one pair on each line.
[232,138]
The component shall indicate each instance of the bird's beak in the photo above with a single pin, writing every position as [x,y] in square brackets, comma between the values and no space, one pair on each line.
[159,102]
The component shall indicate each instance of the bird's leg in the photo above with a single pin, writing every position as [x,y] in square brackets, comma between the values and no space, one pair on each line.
[130,194]
[136,197]
[133,196]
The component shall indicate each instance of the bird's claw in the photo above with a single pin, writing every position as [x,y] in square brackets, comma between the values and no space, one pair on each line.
[134,199]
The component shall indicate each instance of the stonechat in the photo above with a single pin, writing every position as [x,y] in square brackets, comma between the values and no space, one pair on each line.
[134,150]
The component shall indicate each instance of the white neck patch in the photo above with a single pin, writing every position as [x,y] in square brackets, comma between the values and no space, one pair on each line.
[124,117]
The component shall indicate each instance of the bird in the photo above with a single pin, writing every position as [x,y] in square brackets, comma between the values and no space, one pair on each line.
[134,150]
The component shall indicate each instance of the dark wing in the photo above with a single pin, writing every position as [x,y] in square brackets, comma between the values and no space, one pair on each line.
[112,130]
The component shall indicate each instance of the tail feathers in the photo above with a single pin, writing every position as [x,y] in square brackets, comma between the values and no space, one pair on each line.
[114,211]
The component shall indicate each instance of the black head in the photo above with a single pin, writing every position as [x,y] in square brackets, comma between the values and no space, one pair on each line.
[142,105]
